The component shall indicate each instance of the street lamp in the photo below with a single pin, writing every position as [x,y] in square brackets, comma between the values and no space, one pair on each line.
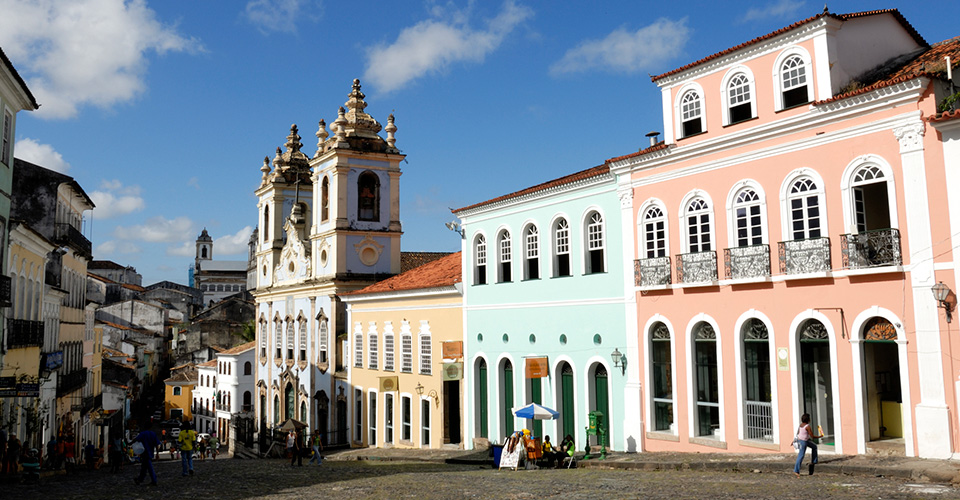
[942,292]
[419,389]
[455,227]
[619,360]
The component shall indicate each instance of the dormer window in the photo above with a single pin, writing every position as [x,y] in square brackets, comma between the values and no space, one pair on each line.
[793,74]
[739,99]
[691,113]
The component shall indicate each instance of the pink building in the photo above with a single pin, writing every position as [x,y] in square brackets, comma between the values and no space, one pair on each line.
[788,232]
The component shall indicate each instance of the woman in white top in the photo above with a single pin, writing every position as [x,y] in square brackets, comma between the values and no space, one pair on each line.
[805,439]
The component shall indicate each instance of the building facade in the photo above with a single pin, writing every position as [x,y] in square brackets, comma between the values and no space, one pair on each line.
[545,308]
[217,279]
[328,224]
[236,383]
[406,359]
[787,233]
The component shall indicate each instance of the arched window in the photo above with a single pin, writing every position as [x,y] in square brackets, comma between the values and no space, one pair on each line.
[706,380]
[203,252]
[793,77]
[747,218]
[662,367]
[290,339]
[325,199]
[247,368]
[279,338]
[739,99]
[263,339]
[654,233]
[595,243]
[757,381]
[871,206]
[266,222]
[698,226]
[480,259]
[322,347]
[531,253]
[561,245]
[504,257]
[691,113]
[368,197]
[803,198]
[303,340]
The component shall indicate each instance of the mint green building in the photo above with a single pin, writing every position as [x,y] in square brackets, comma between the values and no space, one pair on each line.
[546,315]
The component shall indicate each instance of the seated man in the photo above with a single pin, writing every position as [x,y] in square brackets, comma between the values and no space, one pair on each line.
[551,455]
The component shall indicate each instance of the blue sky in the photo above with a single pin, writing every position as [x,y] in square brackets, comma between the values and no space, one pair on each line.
[164,110]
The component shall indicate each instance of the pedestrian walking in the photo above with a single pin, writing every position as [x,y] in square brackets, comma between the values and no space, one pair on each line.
[317,448]
[52,456]
[115,455]
[89,454]
[294,446]
[69,453]
[185,442]
[214,445]
[202,448]
[149,440]
[802,441]
[11,459]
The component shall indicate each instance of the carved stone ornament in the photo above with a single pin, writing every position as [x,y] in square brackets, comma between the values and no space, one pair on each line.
[294,264]
[910,137]
[626,198]
[368,250]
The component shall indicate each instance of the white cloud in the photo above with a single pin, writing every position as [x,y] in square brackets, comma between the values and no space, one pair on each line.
[40,154]
[114,247]
[84,52]
[157,229]
[281,15]
[185,249]
[781,9]
[113,199]
[194,183]
[431,45]
[233,244]
[627,51]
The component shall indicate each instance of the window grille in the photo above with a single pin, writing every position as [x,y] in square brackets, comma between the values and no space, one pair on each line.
[698,226]
[804,200]
[303,340]
[406,352]
[426,353]
[279,335]
[747,213]
[388,347]
[372,346]
[654,233]
[358,346]
[323,340]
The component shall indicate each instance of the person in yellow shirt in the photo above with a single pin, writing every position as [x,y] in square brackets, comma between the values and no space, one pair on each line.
[187,441]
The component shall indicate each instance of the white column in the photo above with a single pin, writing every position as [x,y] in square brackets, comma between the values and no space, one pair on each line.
[932,415]
[950,135]
[632,417]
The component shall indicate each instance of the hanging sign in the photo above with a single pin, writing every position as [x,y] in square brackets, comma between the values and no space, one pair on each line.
[389,384]
[452,371]
[537,367]
[452,349]
[783,364]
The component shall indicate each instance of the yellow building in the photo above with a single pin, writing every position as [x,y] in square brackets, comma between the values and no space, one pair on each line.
[178,394]
[20,400]
[405,359]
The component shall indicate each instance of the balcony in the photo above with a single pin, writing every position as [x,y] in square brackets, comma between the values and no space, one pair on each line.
[741,263]
[697,267]
[71,381]
[5,291]
[875,248]
[651,272]
[811,255]
[71,236]
[24,333]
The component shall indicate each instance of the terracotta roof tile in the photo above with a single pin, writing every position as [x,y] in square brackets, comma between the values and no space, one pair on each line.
[240,348]
[930,63]
[413,260]
[945,116]
[208,364]
[568,179]
[656,147]
[439,273]
[843,17]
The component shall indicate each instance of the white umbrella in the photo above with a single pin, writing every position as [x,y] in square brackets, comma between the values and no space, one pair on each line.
[536,412]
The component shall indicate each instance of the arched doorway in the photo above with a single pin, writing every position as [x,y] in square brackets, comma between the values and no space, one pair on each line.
[506,398]
[600,400]
[323,415]
[483,408]
[816,374]
[883,402]
[567,423]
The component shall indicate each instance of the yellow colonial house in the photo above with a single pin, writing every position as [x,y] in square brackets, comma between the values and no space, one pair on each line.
[178,393]
[405,359]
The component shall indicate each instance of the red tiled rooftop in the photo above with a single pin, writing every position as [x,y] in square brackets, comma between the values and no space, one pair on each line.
[240,348]
[843,17]
[439,273]
[945,116]
[656,147]
[568,179]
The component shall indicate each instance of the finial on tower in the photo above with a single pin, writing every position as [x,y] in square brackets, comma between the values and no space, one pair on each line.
[825,9]
[341,123]
[265,168]
[293,140]
[391,129]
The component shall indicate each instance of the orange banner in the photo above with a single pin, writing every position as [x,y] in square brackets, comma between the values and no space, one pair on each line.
[537,367]
[452,349]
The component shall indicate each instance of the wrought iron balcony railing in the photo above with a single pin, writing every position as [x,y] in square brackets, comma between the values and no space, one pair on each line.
[67,383]
[5,291]
[746,262]
[651,272]
[875,248]
[698,267]
[24,333]
[804,256]
[69,235]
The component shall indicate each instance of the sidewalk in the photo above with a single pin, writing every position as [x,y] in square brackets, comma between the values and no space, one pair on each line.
[918,469]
